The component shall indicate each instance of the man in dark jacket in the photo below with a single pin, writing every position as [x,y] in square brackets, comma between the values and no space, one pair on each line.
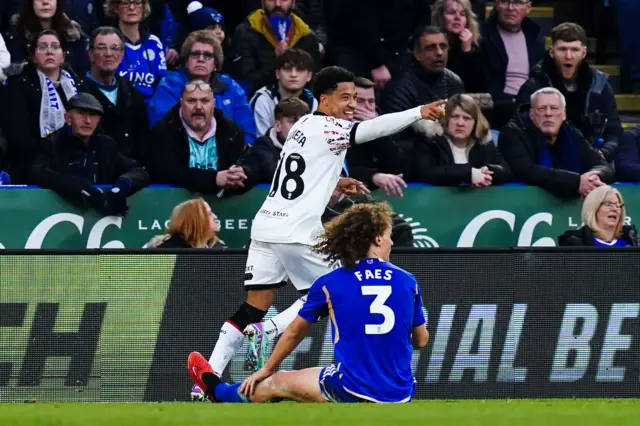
[628,156]
[197,148]
[511,46]
[591,103]
[265,34]
[429,80]
[125,112]
[75,158]
[544,150]
[266,149]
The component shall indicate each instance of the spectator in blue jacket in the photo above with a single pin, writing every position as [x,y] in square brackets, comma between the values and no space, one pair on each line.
[202,55]
[628,156]
[144,62]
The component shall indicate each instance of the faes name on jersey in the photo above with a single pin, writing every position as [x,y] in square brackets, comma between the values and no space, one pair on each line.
[375,274]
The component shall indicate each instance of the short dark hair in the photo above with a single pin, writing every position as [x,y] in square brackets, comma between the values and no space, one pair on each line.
[328,78]
[104,31]
[364,83]
[298,58]
[291,108]
[568,32]
[422,30]
[34,46]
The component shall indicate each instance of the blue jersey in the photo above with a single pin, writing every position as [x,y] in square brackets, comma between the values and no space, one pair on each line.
[373,309]
[615,243]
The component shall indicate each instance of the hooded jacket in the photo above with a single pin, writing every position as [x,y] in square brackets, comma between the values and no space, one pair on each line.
[434,161]
[263,104]
[253,44]
[230,99]
[519,142]
[592,108]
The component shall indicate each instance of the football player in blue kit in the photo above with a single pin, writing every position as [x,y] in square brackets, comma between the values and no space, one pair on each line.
[377,320]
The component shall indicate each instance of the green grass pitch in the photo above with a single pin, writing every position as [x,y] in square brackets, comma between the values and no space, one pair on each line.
[565,412]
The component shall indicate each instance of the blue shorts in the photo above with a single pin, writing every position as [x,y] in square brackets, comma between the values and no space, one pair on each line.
[331,386]
[330,382]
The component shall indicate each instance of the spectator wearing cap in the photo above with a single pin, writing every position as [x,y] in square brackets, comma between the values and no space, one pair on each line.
[125,116]
[75,159]
[266,34]
[294,72]
[201,18]
[198,148]
[202,55]
[33,103]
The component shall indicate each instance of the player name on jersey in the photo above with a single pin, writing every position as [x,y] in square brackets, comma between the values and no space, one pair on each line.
[307,173]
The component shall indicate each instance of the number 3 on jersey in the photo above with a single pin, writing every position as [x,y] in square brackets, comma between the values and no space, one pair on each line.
[292,184]
[382,293]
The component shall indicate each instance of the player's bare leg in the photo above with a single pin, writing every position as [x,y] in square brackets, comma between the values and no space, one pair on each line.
[300,385]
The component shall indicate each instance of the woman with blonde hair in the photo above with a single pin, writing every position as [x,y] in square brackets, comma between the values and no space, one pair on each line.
[193,225]
[603,215]
[459,150]
[460,25]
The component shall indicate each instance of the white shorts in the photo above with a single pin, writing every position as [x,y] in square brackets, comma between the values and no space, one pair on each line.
[270,264]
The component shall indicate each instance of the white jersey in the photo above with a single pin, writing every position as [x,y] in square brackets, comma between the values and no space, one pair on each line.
[308,170]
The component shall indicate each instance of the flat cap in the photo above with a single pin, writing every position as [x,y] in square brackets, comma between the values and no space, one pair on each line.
[85,102]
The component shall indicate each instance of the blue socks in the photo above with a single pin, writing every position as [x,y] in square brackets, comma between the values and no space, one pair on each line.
[229,393]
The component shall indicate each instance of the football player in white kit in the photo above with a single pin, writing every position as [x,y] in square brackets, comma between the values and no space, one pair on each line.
[287,224]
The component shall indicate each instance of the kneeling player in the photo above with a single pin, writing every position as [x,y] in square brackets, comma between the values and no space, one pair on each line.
[376,314]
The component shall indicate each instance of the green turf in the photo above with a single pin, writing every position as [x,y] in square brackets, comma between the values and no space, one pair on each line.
[578,412]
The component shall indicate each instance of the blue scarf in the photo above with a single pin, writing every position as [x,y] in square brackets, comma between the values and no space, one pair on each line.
[281,26]
[568,144]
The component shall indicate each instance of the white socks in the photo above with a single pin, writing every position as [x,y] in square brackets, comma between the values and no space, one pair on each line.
[226,347]
[231,338]
[278,324]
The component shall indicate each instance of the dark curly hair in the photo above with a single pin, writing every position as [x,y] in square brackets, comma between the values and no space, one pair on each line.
[327,80]
[348,237]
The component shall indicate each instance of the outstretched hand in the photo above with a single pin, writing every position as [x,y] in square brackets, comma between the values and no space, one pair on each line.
[350,186]
[434,110]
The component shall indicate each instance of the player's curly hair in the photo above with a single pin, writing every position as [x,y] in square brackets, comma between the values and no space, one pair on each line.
[348,237]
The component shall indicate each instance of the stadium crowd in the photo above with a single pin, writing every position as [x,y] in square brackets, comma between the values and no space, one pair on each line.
[126,93]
